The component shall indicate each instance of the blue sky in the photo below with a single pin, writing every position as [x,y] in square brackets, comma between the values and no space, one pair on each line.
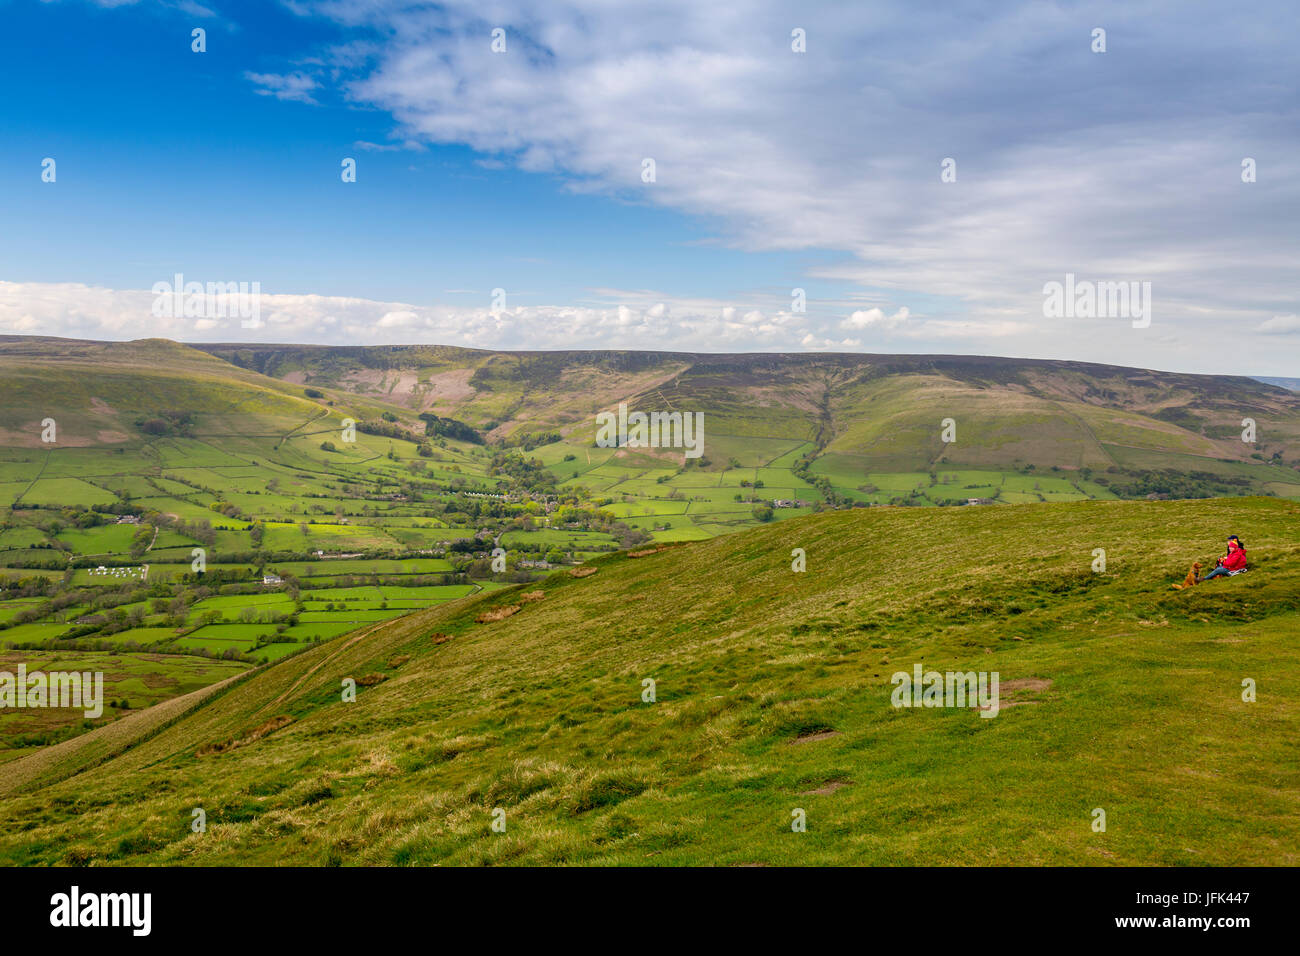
[167,157]
[775,169]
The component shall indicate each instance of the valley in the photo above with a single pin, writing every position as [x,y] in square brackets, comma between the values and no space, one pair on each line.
[207,510]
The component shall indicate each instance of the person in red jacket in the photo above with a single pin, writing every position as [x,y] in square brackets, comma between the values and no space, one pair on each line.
[1234,562]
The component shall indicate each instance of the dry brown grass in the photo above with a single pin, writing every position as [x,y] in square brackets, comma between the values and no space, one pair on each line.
[257,733]
[497,614]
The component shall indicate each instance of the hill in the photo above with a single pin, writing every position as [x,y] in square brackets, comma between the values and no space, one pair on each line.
[323,490]
[772,694]
[858,417]
[161,456]
[1293,384]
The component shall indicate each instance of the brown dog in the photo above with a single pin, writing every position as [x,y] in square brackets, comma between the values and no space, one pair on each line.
[1191,577]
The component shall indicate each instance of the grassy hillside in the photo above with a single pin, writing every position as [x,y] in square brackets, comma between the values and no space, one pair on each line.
[797,431]
[161,449]
[96,390]
[805,395]
[773,694]
[238,453]
[862,417]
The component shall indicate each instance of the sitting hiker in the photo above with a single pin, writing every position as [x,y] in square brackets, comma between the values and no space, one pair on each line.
[1234,562]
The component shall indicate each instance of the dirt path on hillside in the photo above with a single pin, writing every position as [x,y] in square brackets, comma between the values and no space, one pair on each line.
[114,739]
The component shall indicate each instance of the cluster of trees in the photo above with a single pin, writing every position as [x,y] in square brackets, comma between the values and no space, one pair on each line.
[533,440]
[110,622]
[170,422]
[91,644]
[56,562]
[251,615]
[449,428]
[1174,484]
[528,474]
[30,586]
[228,509]
[52,519]
[200,531]
[388,429]
[830,497]
[216,577]
[73,517]
[100,600]
[140,541]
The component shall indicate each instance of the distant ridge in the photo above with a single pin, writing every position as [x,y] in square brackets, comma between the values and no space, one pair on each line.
[1292,384]
[862,428]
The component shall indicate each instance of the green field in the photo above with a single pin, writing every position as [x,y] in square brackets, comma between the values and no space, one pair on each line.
[131,682]
[204,514]
[773,693]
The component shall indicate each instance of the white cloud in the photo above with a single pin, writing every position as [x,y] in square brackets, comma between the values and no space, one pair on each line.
[1280,325]
[296,87]
[195,9]
[630,319]
[398,320]
[621,319]
[1066,160]
[875,318]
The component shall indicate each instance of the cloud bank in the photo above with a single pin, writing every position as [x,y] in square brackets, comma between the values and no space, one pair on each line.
[1123,165]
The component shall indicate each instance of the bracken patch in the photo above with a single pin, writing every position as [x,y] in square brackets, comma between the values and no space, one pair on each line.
[829,787]
[272,725]
[817,735]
